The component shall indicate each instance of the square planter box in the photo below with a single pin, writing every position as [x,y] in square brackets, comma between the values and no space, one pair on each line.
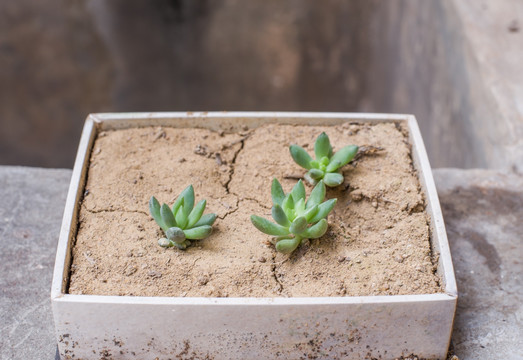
[125,327]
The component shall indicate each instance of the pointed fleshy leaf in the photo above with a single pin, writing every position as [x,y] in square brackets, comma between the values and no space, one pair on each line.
[198,233]
[178,203]
[344,155]
[181,216]
[299,207]
[277,193]
[154,209]
[316,174]
[323,210]
[288,203]
[175,234]
[279,216]
[310,213]
[317,195]
[167,216]
[298,225]
[315,231]
[267,227]
[288,207]
[333,179]
[300,156]
[196,213]
[188,199]
[298,191]
[286,246]
[322,146]
[333,166]
[207,219]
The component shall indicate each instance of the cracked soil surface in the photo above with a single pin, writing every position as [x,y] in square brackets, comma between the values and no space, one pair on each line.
[377,242]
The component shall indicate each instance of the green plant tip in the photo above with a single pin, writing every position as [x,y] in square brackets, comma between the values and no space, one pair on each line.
[327,164]
[182,221]
[296,218]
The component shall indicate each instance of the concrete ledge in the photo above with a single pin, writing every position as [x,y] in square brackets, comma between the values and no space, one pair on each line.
[483,212]
[482,208]
[31,211]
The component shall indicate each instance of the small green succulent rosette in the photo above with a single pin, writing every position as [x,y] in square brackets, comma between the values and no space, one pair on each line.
[184,222]
[327,165]
[296,219]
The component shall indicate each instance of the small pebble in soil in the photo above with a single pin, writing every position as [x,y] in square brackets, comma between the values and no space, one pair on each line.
[341,258]
[356,195]
[398,259]
[130,270]
[262,259]
[203,280]
[154,274]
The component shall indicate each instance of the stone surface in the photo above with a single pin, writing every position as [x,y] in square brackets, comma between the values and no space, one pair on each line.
[31,209]
[482,209]
[455,65]
[483,212]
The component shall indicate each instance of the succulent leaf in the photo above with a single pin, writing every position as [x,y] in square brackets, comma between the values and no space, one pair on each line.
[310,213]
[175,234]
[345,155]
[154,209]
[188,199]
[298,191]
[267,227]
[300,156]
[333,166]
[323,210]
[299,207]
[298,225]
[316,174]
[181,217]
[207,219]
[315,231]
[287,246]
[288,203]
[167,216]
[196,213]
[166,243]
[183,245]
[279,216]
[333,179]
[198,233]
[322,146]
[317,195]
[277,193]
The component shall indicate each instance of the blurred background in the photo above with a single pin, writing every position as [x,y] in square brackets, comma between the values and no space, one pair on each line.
[63,59]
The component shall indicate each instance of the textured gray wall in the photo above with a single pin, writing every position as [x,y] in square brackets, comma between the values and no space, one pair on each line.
[62,59]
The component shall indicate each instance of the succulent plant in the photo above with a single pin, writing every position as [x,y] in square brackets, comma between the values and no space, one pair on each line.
[183,222]
[327,165]
[296,219]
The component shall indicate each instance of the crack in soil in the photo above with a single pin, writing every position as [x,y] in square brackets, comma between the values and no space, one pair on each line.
[253,200]
[233,163]
[236,208]
[273,270]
